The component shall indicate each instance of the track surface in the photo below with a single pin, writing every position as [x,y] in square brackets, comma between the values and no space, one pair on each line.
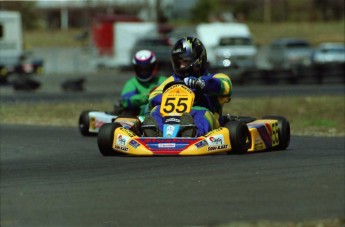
[55,177]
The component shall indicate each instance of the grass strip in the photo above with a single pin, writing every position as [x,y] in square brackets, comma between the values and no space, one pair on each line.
[314,115]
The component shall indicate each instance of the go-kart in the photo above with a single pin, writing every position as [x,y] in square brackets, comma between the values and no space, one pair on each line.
[91,120]
[236,135]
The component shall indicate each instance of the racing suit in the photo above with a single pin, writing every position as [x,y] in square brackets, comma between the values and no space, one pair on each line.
[135,94]
[207,110]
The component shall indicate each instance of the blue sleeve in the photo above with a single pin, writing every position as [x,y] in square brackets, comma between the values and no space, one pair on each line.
[218,84]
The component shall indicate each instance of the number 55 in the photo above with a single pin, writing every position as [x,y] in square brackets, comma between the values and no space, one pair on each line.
[178,105]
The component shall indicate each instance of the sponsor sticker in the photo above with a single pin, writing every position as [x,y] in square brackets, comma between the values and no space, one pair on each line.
[214,131]
[172,119]
[215,140]
[117,147]
[134,143]
[175,144]
[220,147]
[200,144]
[166,140]
[128,132]
[122,140]
[170,130]
[166,145]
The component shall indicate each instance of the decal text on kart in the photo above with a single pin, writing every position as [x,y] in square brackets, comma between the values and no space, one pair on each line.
[220,147]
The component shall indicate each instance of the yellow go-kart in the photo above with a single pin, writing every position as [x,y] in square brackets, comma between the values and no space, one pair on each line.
[236,135]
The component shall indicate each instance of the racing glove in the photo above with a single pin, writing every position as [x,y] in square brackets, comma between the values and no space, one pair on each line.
[195,83]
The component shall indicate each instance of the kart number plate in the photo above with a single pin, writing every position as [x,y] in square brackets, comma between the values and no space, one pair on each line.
[176,100]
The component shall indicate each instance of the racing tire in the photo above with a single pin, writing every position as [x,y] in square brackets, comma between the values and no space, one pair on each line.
[240,137]
[106,137]
[283,133]
[84,123]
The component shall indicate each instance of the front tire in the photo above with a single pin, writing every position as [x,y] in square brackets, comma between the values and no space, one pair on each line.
[106,137]
[283,133]
[240,137]
[84,123]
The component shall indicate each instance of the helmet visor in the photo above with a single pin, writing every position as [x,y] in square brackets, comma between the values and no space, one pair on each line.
[144,72]
[182,62]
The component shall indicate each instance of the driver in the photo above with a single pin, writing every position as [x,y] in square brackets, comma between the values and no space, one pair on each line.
[135,93]
[189,62]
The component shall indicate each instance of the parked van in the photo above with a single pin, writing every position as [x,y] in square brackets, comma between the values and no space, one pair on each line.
[228,45]
[10,41]
[113,37]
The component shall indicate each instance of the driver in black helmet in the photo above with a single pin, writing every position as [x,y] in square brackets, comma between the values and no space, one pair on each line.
[189,61]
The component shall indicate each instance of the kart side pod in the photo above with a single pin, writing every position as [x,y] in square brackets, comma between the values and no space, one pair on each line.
[269,133]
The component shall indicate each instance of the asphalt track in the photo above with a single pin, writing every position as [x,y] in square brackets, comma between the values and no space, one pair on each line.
[52,176]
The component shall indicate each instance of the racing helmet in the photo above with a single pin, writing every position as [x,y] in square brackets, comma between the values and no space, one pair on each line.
[189,57]
[145,65]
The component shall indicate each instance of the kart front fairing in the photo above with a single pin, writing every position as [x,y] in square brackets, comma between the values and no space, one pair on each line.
[125,141]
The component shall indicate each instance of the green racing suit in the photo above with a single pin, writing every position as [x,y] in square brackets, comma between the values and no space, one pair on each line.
[135,94]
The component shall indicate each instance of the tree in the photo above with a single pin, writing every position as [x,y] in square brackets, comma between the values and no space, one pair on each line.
[203,9]
[330,10]
[30,14]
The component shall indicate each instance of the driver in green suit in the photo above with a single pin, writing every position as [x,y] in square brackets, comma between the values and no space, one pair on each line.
[135,93]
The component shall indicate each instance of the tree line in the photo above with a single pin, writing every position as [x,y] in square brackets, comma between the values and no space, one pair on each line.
[271,10]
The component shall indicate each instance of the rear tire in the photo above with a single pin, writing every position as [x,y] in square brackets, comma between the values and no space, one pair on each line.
[283,133]
[240,137]
[106,137]
[84,123]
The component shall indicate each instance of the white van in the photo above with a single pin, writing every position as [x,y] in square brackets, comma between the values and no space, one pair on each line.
[228,45]
[11,43]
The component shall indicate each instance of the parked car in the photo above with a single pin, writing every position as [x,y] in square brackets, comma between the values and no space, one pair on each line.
[328,53]
[160,45]
[289,53]
[236,51]
[329,62]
